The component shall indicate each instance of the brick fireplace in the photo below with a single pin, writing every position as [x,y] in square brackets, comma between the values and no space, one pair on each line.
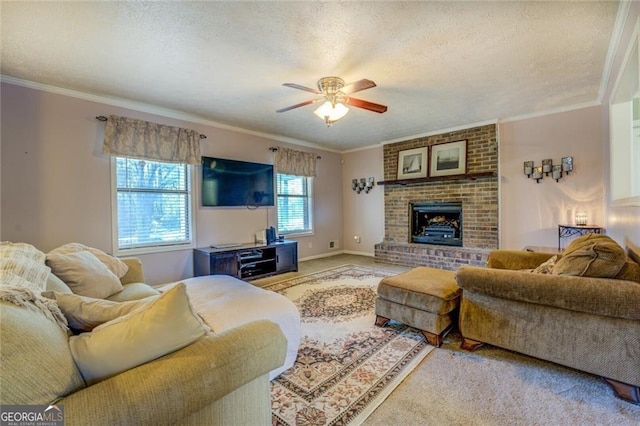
[477,197]
[435,222]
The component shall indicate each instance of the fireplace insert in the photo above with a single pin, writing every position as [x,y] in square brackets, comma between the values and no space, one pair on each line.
[436,223]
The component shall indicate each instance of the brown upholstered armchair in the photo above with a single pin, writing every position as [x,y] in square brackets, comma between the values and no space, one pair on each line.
[587,323]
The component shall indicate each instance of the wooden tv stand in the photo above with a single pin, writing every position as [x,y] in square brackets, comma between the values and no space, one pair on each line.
[252,260]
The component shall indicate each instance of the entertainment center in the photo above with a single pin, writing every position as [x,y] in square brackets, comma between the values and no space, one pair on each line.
[252,260]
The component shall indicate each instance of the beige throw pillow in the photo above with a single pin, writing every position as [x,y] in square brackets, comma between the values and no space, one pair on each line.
[591,255]
[85,313]
[546,267]
[164,326]
[115,265]
[84,274]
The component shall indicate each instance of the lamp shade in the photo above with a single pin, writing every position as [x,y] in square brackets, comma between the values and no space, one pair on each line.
[330,113]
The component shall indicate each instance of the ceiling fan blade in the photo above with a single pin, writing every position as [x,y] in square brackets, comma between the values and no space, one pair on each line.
[357,86]
[305,88]
[301,104]
[359,103]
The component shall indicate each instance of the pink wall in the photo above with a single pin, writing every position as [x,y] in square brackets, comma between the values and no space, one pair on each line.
[531,212]
[363,213]
[56,185]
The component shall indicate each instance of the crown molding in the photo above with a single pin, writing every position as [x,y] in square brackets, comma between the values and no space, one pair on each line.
[614,44]
[551,111]
[153,109]
[440,131]
[166,112]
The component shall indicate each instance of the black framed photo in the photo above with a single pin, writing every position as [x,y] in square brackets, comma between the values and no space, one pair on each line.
[449,159]
[412,163]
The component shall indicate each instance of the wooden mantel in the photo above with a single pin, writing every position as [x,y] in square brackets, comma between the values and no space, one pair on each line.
[469,176]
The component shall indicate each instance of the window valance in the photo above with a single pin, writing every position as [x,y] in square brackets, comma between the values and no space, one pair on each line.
[128,137]
[298,163]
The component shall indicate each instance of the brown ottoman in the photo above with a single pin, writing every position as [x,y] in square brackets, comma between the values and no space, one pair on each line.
[424,298]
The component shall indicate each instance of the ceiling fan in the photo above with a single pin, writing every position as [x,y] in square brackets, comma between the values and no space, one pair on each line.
[335,95]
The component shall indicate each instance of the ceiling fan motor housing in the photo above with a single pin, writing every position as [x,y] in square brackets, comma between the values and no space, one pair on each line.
[330,85]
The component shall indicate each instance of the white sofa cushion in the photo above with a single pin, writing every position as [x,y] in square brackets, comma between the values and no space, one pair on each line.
[163,326]
[115,265]
[84,274]
[86,313]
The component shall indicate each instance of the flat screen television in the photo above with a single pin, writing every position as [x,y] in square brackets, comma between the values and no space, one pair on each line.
[232,183]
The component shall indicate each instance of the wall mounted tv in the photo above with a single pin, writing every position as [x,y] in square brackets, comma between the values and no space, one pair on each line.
[232,183]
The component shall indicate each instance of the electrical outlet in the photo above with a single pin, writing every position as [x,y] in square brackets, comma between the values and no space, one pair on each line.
[334,244]
[356,238]
[310,245]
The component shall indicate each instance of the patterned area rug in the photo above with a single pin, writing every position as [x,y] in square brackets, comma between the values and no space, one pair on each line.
[346,366]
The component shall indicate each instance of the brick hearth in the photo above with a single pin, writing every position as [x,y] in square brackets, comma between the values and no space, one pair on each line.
[479,199]
[441,257]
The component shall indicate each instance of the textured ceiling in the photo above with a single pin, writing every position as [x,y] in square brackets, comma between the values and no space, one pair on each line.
[438,65]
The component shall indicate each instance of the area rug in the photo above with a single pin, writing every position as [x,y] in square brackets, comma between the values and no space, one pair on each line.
[346,366]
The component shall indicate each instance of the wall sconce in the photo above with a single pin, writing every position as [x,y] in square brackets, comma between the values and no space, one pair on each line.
[537,173]
[556,170]
[528,168]
[581,218]
[362,184]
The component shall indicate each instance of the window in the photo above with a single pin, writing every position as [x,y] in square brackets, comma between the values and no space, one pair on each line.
[294,204]
[153,208]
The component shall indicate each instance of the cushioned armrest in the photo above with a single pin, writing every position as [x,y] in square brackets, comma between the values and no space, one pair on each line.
[513,259]
[600,296]
[177,385]
[135,274]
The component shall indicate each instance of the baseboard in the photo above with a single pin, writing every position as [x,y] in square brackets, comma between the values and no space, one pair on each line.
[335,253]
[320,256]
[359,253]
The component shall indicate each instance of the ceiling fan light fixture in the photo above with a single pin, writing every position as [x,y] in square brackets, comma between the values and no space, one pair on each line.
[330,112]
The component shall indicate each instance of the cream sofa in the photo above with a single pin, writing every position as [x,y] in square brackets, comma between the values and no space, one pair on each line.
[587,323]
[222,378]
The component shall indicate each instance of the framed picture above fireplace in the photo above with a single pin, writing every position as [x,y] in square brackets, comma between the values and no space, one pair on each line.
[412,163]
[449,159]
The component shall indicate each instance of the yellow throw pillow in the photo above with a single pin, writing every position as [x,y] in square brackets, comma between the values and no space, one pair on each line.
[591,255]
[84,274]
[115,265]
[161,327]
[85,313]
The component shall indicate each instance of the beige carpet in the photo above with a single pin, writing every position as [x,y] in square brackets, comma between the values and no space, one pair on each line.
[346,366]
[490,386]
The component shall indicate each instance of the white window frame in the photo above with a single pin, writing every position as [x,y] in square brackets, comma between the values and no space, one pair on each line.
[624,138]
[310,231]
[117,251]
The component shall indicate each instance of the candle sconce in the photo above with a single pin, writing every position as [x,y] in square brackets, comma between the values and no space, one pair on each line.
[556,170]
[567,164]
[528,168]
[362,184]
[537,173]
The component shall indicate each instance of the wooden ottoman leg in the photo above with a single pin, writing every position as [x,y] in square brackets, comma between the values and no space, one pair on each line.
[470,344]
[433,339]
[381,321]
[624,391]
